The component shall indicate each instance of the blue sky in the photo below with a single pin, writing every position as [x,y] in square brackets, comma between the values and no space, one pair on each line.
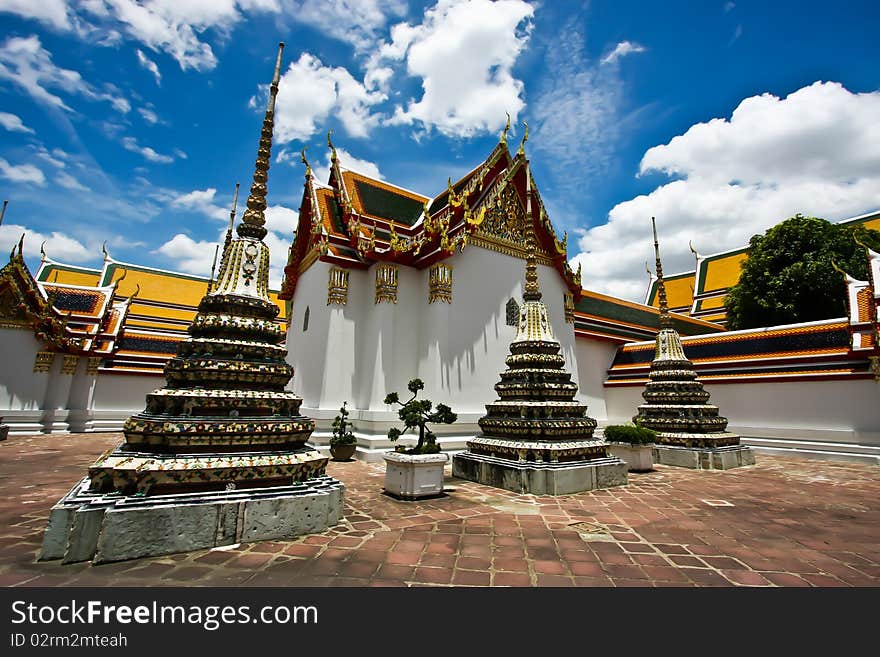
[130,122]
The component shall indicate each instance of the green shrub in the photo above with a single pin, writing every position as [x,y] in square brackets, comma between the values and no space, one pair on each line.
[341,433]
[628,433]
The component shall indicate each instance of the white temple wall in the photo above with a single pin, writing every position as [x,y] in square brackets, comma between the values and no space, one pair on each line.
[307,350]
[22,391]
[593,358]
[826,419]
[361,351]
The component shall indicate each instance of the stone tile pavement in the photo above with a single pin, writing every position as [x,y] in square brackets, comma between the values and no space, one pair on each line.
[782,522]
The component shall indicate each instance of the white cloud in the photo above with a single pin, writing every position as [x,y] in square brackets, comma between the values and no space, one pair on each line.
[150,65]
[281,220]
[195,257]
[576,111]
[25,62]
[729,6]
[58,245]
[50,12]
[348,161]
[202,201]
[357,23]
[131,144]
[464,52]
[189,255]
[69,182]
[622,49]
[22,173]
[148,115]
[817,152]
[13,123]
[175,26]
[309,92]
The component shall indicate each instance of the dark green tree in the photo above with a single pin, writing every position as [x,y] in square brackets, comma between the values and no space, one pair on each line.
[789,276]
[416,413]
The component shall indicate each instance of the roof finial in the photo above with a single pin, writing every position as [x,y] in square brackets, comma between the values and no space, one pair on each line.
[231,218]
[213,269]
[254,219]
[3,212]
[104,251]
[665,321]
[306,162]
[21,244]
[522,146]
[43,251]
[505,131]
[333,156]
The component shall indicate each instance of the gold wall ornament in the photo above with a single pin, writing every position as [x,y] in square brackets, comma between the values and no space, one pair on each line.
[337,286]
[569,308]
[43,361]
[323,245]
[440,283]
[69,363]
[94,363]
[386,282]
[395,242]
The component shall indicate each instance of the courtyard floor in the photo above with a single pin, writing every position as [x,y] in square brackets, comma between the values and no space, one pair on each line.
[783,522]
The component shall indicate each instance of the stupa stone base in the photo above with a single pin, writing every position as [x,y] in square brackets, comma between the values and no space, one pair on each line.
[540,477]
[100,527]
[704,458]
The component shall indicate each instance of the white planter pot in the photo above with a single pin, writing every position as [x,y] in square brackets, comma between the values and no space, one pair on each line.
[639,458]
[414,475]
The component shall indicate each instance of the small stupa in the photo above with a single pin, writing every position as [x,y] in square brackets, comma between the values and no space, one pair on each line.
[219,455]
[690,432]
[537,438]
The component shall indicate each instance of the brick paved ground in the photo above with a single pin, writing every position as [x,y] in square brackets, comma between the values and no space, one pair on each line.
[782,522]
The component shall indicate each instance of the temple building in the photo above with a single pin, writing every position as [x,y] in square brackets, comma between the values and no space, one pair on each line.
[385,284]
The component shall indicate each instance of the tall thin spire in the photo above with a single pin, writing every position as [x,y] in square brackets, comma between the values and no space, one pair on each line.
[231,218]
[665,320]
[3,212]
[254,219]
[532,291]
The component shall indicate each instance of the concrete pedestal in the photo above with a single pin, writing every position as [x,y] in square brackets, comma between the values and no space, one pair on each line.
[112,527]
[414,475]
[715,458]
[540,478]
[639,458]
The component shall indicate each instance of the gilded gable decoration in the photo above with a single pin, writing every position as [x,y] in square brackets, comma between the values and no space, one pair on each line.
[337,286]
[386,283]
[440,283]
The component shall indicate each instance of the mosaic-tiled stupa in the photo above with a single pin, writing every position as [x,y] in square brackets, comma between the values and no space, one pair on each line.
[690,432]
[219,455]
[537,438]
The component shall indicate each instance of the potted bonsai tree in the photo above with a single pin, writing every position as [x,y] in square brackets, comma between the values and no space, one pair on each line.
[416,471]
[632,443]
[343,443]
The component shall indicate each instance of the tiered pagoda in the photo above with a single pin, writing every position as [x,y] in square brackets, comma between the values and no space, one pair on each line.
[219,456]
[537,438]
[690,432]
